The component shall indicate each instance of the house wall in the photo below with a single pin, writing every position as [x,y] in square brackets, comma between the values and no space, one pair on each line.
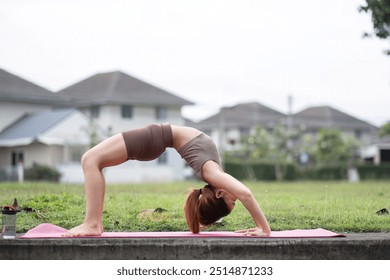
[34,153]
[72,130]
[131,171]
[11,111]
[230,138]
[43,154]
[5,159]
[110,117]
[376,153]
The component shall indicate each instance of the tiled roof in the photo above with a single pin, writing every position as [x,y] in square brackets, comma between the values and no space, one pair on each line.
[34,124]
[16,89]
[119,88]
[243,115]
[328,117]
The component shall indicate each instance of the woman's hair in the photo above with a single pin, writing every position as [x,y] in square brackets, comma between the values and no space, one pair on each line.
[204,208]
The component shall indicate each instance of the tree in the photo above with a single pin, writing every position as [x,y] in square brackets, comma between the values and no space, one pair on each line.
[384,130]
[95,133]
[281,150]
[273,147]
[380,17]
[333,149]
[255,146]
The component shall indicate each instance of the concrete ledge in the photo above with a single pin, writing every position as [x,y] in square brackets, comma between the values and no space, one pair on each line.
[370,246]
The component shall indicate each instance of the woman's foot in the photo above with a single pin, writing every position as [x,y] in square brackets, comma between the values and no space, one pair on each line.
[84,230]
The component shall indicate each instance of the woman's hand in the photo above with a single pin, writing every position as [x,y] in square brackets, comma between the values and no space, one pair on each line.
[253,232]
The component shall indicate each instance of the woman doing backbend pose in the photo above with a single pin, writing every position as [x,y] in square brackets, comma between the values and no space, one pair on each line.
[203,207]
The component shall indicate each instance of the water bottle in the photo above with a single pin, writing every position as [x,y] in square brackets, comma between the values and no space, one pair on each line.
[8,229]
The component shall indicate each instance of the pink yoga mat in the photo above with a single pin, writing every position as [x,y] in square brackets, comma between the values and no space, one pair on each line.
[53,231]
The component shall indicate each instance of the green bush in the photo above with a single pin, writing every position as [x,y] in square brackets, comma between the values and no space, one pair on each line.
[374,172]
[324,173]
[236,169]
[42,173]
[260,171]
[266,171]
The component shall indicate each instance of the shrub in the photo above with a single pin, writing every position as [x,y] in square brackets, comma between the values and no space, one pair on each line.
[266,171]
[374,172]
[260,170]
[324,173]
[42,173]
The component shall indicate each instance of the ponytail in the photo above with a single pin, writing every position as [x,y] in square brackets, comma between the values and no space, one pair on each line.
[191,210]
[205,209]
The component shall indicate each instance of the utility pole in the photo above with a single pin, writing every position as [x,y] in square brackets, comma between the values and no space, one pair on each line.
[289,127]
[289,113]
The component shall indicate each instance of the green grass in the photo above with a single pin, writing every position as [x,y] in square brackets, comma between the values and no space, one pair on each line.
[337,206]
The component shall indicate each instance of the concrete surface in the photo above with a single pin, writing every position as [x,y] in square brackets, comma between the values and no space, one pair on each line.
[367,246]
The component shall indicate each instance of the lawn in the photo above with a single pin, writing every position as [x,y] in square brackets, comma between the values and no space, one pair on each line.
[337,206]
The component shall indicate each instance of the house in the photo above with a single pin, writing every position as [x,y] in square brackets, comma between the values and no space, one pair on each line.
[19,96]
[312,119]
[239,120]
[48,138]
[118,102]
[377,152]
[231,123]
[108,103]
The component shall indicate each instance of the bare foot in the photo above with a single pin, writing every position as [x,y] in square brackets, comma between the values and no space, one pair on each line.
[84,230]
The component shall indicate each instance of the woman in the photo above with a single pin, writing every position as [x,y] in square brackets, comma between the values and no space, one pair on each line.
[203,207]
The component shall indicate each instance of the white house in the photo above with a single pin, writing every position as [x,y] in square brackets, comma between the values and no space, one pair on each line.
[377,152]
[119,102]
[228,126]
[49,138]
[19,96]
[312,119]
[35,131]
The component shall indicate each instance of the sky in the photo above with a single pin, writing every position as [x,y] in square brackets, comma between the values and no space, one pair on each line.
[214,53]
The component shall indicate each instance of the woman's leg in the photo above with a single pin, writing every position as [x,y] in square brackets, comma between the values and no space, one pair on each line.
[110,152]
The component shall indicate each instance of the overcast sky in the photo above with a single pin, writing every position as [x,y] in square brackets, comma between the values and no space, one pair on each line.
[212,52]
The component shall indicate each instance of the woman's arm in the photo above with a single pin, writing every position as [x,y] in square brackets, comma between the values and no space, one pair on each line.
[215,176]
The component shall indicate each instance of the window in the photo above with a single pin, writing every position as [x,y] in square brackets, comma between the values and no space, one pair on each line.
[76,152]
[358,133]
[163,159]
[127,111]
[161,113]
[244,131]
[95,111]
[16,158]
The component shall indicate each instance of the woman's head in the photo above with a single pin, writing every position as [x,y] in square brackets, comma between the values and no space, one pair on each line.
[204,207]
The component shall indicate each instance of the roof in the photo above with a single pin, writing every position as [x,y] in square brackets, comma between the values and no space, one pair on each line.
[328,117]
[119,88]
[16,89]
[29,127]
[243,115]
[381,141]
